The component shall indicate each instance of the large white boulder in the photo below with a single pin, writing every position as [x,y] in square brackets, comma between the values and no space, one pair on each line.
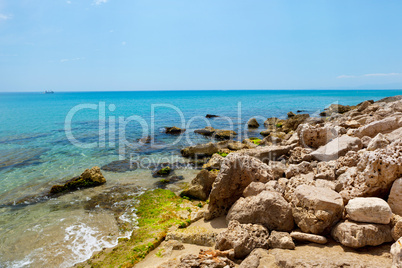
[369,209]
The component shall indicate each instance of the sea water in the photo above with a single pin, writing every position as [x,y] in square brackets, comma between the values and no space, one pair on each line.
[37,152]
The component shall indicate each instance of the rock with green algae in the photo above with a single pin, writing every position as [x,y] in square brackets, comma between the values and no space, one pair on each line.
[89,178]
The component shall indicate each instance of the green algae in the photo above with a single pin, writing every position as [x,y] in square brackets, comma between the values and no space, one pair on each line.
[157,211]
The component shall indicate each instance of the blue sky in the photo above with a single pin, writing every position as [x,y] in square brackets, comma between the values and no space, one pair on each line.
[94,45]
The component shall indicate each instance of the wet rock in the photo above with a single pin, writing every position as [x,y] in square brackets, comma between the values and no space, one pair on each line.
[201,185]
[207,149]
[252,123]
[293,122]
[207,131]
[281,240]
[337,147]
[174,130]
[267,208]
[162,172]
[243,238]
[302,168]
[299,236]
[396,252]
[211,116]
[145,140]
[236,173]
[369,209]
[120,166]
[378,142]
[163,183]
[265,132]
[196,235]
[357,235]
[395,197]
[89,178]
[290,114]
[316,209]
[222,134]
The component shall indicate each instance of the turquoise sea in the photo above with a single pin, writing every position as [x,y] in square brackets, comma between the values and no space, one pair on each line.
[36,152]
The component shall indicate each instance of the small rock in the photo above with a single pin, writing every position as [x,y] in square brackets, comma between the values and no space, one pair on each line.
[214,163]
[252,123]
[206,258]
[369,209]
[259,258]
[337,147]
[174,130]
[211,116]
[319,239]
[290,114]
[396,231]
[281,240]
[357,235]
[243,238]
[302,168]
[395,197]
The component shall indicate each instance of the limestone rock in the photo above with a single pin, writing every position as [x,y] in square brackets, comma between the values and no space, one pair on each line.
[201,185]
[267,153]
[214,163]
[237,172]
[294,182]
[281,240]
[396,252]
[396,231]
[326,171]
[299,154]
[302,168]
[369,209]
[357,235]
[316,209]
[319,239]
[366,141]
[259,258]
[236,145]
[385,125]
[377,142]
[193,235]
[375,172]
[337,147]
[316,136]
[395,197]
[278,169]
[254,188]
[243,238]
[267,208]
[206,258]
[350,124]
[167,247]
[252,123]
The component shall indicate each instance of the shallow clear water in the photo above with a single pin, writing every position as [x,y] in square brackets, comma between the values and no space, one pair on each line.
[35,153]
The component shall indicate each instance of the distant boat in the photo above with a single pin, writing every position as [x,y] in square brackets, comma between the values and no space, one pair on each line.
[48,92]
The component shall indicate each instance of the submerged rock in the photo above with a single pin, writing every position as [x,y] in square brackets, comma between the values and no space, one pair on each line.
[252,123]
[174,130]
[89,178]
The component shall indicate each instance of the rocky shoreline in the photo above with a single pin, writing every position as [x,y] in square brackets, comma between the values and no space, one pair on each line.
[315,192]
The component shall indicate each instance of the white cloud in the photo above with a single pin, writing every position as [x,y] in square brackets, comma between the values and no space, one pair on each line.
[74,59]
[5,17]
[99,2]
[123,43]
[68,2]
[369,75]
